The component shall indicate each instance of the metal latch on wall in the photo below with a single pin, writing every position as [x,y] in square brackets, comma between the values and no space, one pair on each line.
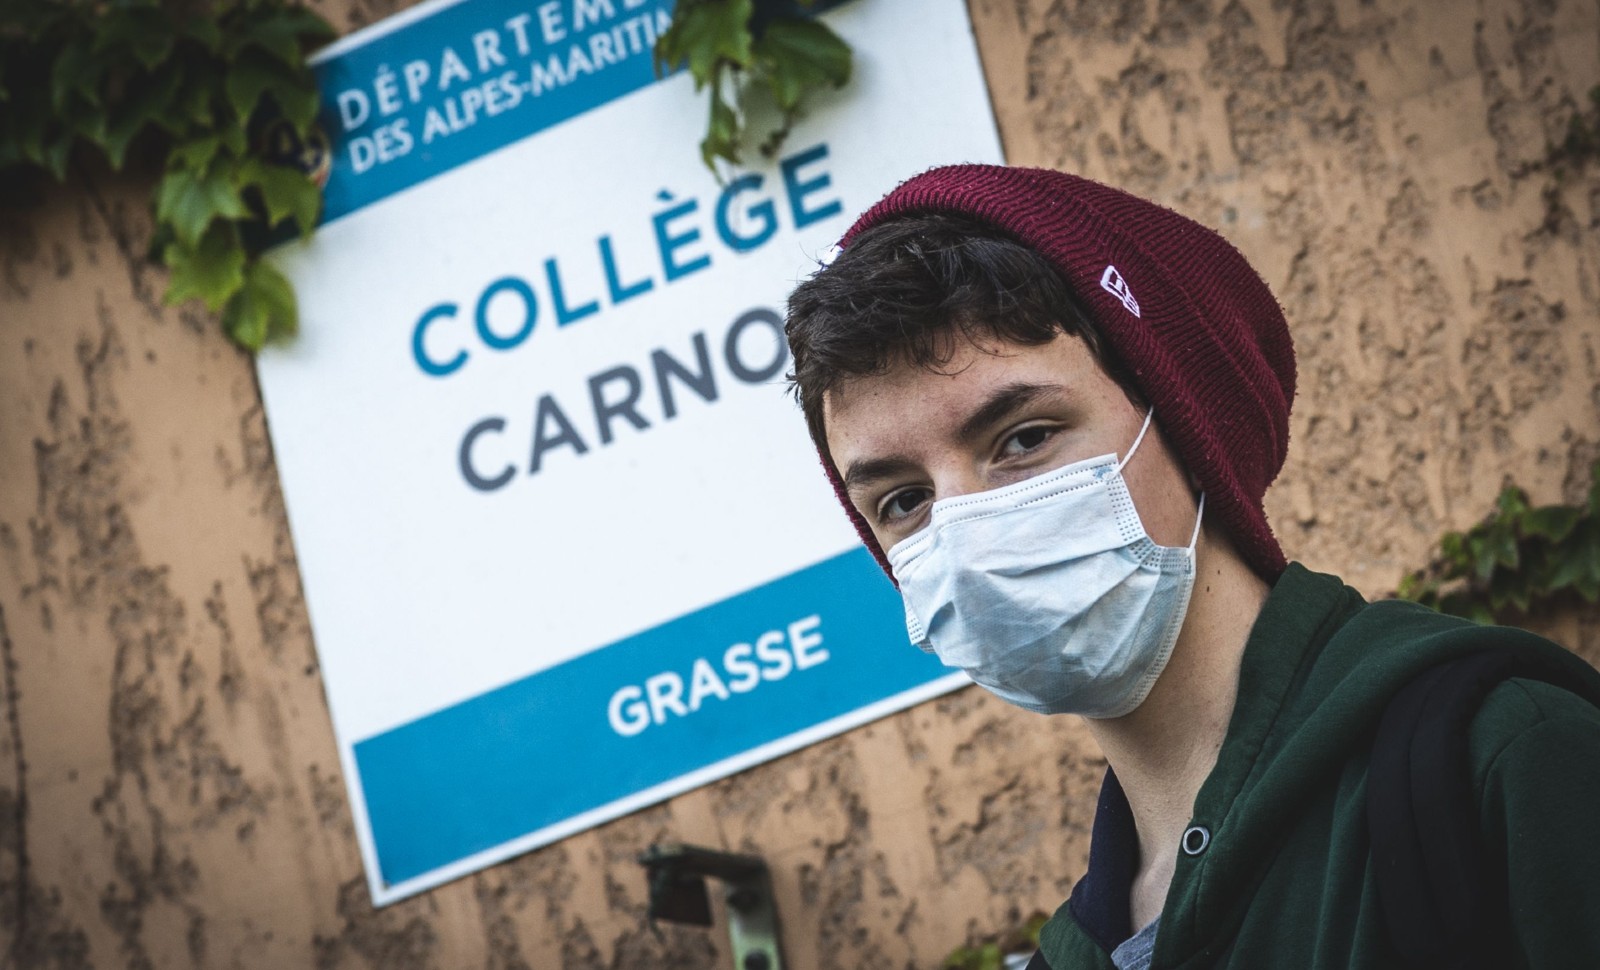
[678,894]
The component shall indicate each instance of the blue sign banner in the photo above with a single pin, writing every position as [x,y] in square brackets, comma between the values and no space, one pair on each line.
[416,102]
[817,644]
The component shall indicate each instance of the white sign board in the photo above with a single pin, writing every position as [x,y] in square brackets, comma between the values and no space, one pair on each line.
[566,547]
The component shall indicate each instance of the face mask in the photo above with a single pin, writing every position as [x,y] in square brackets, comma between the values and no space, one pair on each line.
[1048,592]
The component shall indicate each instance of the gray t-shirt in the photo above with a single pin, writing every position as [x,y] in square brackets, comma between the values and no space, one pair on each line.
[1135,951]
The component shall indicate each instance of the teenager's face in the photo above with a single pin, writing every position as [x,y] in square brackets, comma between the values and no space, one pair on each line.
[998,413]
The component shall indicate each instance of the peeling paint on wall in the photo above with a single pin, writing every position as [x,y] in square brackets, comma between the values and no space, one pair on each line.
[170,794]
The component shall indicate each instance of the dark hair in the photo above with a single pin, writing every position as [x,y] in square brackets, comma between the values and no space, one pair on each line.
[904,289]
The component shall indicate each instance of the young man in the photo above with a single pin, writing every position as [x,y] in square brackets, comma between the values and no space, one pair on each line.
[1052,410]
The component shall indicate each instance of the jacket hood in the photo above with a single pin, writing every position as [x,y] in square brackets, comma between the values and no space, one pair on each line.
[1319,669]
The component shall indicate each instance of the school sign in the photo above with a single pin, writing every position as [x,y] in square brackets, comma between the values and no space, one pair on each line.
[565,545]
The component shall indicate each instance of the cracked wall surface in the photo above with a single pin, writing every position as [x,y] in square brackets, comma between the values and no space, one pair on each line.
[170,794]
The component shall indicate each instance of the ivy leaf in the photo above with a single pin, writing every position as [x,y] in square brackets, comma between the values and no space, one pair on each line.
[1588,587]
[150,105]
[1552,522]
[1452,547]
[1510,589]
[1493,547]
[1579,568]
[253,77]
[90,125]
[246,321]
[211,271]
[1483,556]
[204,31]
[143,31]
[160,239]
[191,201]
[722,134]
[234,140]
[1594,486]
[196,153]
[801,56]
[1410,586]
[285,192]
[705,35]
[309,26]
[276,290]
[1583,566]
[299,103]
[118,137]
[54,154]
[1512,502]
[77,71]
[282,33]
[1506,551]
[249,78]
[194,103]
[263,309]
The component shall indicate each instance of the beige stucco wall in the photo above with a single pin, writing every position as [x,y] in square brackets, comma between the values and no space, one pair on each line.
[170,794]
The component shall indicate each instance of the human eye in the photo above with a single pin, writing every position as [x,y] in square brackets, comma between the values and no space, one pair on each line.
[1025,441]
[901,504]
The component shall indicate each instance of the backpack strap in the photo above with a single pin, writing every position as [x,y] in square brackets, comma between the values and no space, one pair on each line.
[1442,902]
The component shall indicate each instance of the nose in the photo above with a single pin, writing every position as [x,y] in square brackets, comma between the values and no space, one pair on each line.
[958,480]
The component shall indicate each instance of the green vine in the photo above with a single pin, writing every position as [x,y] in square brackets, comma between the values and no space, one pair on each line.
[1518,558]
[751,51]
[991,953]
[217,94]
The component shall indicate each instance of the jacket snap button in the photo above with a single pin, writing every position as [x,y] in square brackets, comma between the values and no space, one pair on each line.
[1195,839]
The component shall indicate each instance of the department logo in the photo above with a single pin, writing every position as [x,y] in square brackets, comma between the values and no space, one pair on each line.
[1112,282]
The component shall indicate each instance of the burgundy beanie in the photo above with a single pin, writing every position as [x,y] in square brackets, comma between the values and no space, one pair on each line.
[1194,324]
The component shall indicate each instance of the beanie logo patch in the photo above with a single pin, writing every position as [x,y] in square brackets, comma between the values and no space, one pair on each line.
[1112,282]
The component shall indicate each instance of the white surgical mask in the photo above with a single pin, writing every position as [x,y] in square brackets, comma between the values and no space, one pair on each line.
[1049,592]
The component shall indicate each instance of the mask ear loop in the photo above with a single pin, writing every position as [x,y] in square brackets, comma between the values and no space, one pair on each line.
[1198,515]
[1148,415]
[1200,512]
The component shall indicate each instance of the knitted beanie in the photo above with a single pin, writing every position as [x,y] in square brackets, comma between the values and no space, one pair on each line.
[1192,322]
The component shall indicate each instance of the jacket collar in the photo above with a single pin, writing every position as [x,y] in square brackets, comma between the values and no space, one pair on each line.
[1301,613]
[1100,900]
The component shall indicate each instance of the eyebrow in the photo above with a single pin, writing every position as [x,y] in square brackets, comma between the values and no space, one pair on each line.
[868,471]
[999,405]
[1002,404]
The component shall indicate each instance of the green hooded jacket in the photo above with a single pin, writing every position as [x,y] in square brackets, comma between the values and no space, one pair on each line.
[1286,880]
